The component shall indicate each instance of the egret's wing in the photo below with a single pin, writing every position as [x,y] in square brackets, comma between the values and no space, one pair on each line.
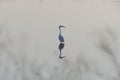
[61,38]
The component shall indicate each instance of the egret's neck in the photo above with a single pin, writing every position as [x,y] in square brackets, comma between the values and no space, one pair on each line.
[60,30]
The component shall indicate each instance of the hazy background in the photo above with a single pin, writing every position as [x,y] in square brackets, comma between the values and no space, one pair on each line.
[29,39]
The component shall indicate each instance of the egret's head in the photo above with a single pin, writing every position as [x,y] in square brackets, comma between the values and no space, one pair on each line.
[61,26]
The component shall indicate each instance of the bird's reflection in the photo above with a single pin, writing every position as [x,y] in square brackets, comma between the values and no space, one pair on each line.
[61,46]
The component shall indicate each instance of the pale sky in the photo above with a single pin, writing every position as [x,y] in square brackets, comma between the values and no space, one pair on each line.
[34,24]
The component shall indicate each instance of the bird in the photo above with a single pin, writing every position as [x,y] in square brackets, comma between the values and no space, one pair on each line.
[61,38]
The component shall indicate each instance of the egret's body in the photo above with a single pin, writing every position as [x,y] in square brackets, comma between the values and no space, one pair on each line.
[61,38]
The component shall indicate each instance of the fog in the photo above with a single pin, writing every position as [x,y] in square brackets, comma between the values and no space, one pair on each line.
[29,39]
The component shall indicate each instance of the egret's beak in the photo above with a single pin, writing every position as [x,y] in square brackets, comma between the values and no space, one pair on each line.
[61,26]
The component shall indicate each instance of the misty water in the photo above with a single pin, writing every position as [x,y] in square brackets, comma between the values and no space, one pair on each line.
[29,39]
